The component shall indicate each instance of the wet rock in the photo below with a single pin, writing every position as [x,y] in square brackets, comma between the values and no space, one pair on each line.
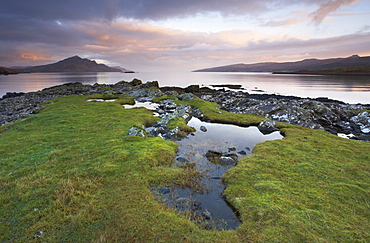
[224,160]
[167,105]
[363,121]
[221,158]
[242,152]
[267,126]
[203,129]
[231,155]
[172,134]
[182,160]
[207,214]
[197,113]
[134,131]
[211,153]
[184,111]
[164,190]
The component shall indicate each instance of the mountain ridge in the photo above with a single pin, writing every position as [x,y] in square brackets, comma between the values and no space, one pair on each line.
[72,64]
[306,64]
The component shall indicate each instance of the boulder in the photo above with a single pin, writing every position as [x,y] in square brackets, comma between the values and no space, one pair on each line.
[135,82]
[192,89]
[267,126]
[134,131]
[363,121]
[224,160]
[152,84]
[203,129]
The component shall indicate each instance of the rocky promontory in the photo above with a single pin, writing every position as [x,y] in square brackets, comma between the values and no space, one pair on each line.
[333,116]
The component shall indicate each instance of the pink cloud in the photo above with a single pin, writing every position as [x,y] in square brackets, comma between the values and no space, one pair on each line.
[327,7]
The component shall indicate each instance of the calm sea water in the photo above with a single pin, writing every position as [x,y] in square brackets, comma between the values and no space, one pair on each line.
[350,89]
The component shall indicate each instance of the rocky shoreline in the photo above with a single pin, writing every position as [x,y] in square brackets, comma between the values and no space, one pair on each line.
[321,113]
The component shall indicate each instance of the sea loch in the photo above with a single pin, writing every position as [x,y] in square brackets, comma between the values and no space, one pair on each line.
[350,89]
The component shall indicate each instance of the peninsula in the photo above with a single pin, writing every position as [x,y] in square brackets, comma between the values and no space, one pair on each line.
[349,65]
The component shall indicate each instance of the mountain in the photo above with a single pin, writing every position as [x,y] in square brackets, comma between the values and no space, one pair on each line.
[307,65]
[6,71]
[124,70]
[72,64]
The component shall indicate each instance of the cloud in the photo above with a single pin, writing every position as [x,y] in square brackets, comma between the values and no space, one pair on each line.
[110,10]
[38,31]
[328,7]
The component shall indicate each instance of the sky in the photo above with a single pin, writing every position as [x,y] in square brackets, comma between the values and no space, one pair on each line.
[178,35]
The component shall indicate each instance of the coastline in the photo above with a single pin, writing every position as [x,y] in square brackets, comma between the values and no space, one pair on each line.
[322,73]
[320,113]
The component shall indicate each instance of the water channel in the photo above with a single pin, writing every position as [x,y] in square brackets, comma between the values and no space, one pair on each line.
[212,149]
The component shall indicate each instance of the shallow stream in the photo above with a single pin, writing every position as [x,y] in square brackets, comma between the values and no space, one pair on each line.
[212,149]
[208,204]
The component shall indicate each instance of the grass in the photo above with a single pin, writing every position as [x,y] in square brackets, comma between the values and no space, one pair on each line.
[309,187]
[71,172]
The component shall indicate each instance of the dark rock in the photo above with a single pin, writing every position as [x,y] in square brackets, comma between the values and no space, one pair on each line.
[167,105]
[224,160]
[38,234]
[192,89]
[203,128]
[363,121]
[211,153]
[267,126]
[135,82]
[242,152]
[182,160]
[152,84]
[207,215]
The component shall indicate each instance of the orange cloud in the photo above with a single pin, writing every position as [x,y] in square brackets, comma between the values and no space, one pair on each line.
[34,57]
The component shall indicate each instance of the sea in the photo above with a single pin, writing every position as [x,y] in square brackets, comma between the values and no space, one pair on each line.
[349,89]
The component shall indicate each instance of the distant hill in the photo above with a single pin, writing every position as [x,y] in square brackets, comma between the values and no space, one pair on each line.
[6,71]
[72,64]
[355,70]
[307,64]
[124,70]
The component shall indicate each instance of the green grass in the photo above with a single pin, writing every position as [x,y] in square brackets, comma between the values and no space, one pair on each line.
[309,187]
[71,172]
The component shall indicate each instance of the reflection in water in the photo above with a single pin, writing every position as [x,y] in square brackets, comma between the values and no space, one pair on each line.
[350,89]
[148,105]
[209,204]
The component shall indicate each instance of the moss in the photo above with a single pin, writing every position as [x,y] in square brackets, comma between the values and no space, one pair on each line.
[179,122]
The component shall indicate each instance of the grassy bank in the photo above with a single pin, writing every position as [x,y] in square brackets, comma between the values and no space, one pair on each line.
[72,173]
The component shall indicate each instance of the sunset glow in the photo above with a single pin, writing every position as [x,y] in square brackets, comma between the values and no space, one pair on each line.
[181,35]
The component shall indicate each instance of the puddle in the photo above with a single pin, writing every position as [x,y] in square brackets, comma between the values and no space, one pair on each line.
[148,105]
[101,100]
[209,206]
